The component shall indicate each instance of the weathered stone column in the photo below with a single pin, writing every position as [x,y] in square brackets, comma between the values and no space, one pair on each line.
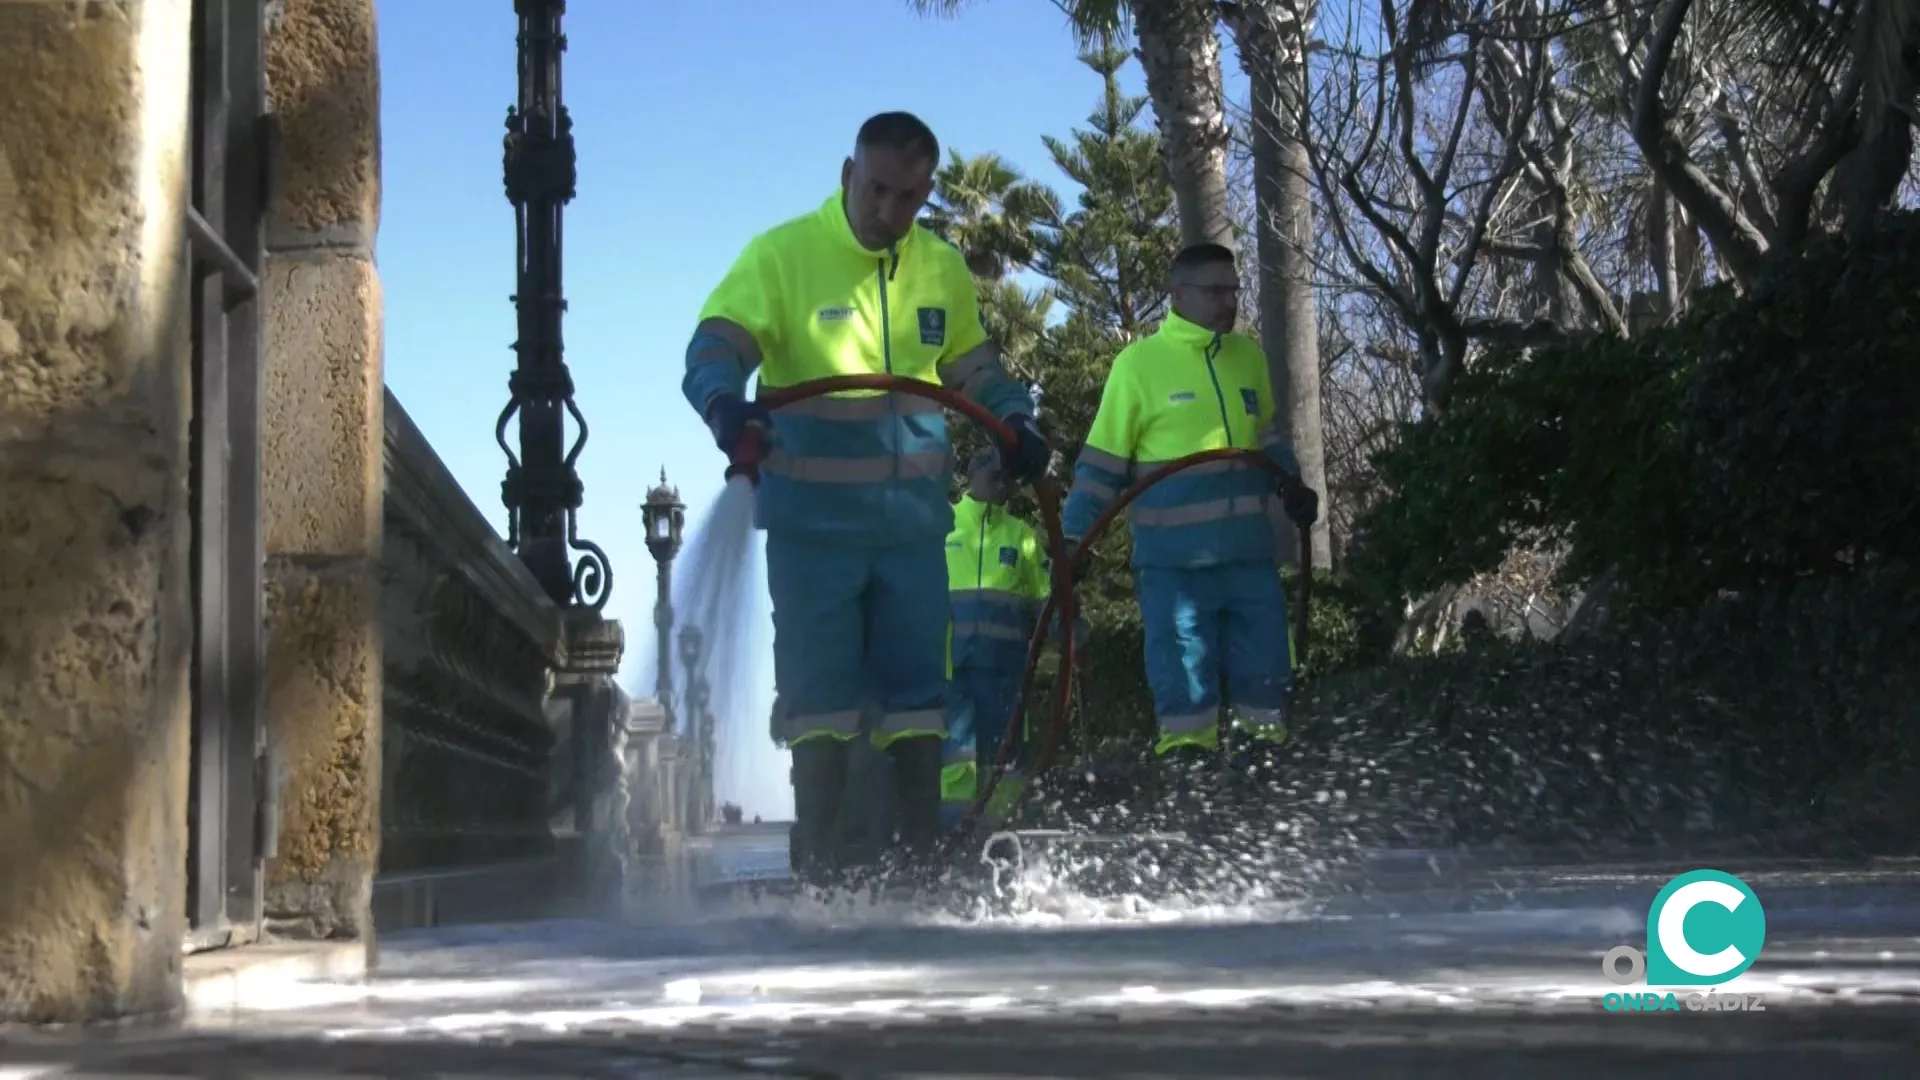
[322,466]
[599,716]
[95,609]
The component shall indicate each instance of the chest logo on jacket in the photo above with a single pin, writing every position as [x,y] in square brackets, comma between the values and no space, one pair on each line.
[933,326]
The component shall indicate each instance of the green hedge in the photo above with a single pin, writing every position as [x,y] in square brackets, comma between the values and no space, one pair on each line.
[1793,708]
[1751,477]
[1758,439]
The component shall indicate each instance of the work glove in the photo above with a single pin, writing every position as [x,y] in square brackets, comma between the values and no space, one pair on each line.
[1025,461]
[1301,504]
[730,416]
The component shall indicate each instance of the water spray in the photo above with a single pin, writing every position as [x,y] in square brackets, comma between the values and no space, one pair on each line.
[752,448]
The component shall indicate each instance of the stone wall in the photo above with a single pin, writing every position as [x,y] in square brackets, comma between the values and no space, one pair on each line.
[95,612]
[444,628]
[322,463]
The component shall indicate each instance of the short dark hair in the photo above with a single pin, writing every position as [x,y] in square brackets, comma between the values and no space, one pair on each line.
[901,131]
[1194,256]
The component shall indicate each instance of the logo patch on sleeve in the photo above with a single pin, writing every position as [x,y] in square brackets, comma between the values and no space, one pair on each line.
[933,326]
[1251,399]
[1009,556]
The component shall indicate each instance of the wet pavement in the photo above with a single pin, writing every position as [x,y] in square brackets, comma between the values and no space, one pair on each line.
[1443,966]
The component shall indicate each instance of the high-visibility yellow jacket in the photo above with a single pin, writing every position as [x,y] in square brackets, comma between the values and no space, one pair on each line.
[1182,390]
[858,467]
[998,575]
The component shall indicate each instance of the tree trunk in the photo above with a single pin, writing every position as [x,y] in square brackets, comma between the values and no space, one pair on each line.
[1661,247]
[1181,57]
[1270,35]
[1868,178]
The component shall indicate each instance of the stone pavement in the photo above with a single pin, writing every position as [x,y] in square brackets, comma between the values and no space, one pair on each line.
[1811,1041]
[1472,972]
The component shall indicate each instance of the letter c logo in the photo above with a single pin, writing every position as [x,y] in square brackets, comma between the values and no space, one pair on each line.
[1672,928]
[1726,919]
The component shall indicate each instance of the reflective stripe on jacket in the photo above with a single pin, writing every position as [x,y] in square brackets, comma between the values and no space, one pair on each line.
[997,577]
[857,467]
[1180,391]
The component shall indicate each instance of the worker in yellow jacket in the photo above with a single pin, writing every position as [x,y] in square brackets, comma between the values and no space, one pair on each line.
[997,576]
[1204,551]
[853,493]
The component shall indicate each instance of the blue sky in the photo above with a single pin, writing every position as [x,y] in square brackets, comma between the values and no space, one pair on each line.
[698,125]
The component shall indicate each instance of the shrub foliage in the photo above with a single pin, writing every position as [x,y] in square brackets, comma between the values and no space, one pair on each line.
[1758,439]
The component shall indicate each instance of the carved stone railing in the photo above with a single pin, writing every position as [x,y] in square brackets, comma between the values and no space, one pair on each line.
[471,642]
[493,743]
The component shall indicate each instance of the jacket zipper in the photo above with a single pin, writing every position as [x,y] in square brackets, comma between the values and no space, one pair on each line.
[980,555]
[1212,350]
[886,358]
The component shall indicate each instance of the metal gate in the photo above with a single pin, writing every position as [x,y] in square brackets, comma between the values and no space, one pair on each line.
[231,826]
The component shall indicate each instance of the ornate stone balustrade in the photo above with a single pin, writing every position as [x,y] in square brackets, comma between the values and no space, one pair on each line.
[493,742]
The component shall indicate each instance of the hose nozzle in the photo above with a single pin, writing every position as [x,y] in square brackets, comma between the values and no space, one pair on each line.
[748,452]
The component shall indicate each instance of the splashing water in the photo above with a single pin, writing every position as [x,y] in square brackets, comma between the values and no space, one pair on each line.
[1380,770]
[718,589]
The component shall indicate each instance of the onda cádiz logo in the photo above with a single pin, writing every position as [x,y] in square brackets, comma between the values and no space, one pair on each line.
[1704,929]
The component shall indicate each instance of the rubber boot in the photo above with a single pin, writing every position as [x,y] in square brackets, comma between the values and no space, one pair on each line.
[916,785]
[866,807]
[819,778]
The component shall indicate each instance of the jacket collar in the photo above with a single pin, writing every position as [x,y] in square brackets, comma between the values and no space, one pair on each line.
[833,214]
[971,510]
[1189,334]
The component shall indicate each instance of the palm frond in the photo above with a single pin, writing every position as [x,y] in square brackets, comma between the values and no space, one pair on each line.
[1823,42]
[939,9]
[1885,32]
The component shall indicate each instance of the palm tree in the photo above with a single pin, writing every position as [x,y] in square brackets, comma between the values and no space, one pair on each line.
[984,207]
[1271,37]
[1845,69]
[1867,41]
[1180,54]
[1854,67]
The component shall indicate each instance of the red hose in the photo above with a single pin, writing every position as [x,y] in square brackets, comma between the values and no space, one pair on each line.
[1061,596]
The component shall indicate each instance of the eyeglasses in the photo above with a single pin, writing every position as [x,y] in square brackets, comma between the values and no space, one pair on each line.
[1223,292]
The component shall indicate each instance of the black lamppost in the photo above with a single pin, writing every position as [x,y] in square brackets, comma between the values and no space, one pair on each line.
[699,718]
[542,490]
[666,519]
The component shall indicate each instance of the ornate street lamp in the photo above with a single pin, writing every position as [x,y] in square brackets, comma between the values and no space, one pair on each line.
[694,699]
[699,725]
[666,519]
[542,490]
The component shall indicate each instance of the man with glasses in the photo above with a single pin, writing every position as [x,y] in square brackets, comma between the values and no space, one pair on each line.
[1204,550]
